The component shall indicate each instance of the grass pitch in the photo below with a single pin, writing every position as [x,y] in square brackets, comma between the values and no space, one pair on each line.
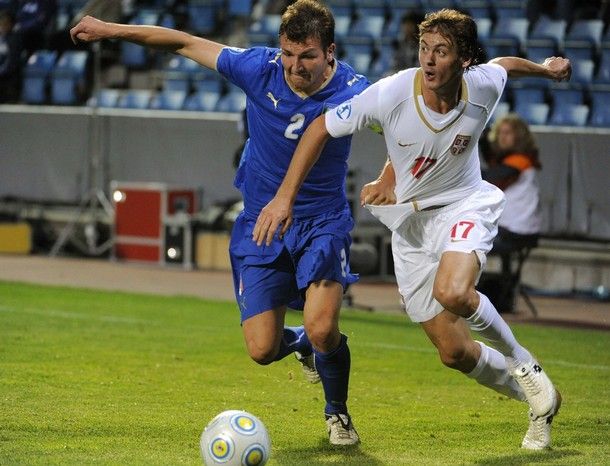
[114,378]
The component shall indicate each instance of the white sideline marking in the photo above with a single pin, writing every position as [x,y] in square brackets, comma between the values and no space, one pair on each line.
[547,362]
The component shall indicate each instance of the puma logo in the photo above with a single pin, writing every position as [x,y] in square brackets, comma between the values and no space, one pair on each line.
[353,80]
[273,99]
[274,61]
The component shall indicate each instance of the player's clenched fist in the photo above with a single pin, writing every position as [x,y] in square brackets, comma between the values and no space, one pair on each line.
[90,29]
[560,68]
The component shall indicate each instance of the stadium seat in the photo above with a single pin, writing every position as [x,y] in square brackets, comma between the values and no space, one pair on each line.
[569,115]
[239,7]
[168,100]
[342,26]
[565,95]
[341,7]
[382,63]
[579,53]
[585,32]
[548,32]
[232,102]
[368,27]
[68,78]
[509,31]
[582,72]
[178,72]
[206,83]
[201,101]
[484,26]
[534,114]
[478,9]
[36,76]
[106,98]
[202,16]
[434,5]
[600,117]
[135,98]
[603,72]
[523,95]
[370,8]
[538,54]
[133,56]
[509,9]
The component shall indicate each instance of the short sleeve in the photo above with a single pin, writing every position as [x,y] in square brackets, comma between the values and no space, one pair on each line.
[354,114]
[240,65]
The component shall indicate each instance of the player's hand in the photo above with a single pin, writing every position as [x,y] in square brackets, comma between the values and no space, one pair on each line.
[560,68]
[90,29]
[277,212]
[377,193]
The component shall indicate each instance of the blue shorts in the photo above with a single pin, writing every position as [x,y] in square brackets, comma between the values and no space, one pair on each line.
[313,249]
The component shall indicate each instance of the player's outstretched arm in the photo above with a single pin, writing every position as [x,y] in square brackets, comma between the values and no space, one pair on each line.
[279,210]
[381,190]
[203,51]
[555,68]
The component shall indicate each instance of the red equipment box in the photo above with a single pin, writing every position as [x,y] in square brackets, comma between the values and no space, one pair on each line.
[141,213]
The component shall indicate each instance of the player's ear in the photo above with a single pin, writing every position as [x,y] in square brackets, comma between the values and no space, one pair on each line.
[330,53]
[466,63]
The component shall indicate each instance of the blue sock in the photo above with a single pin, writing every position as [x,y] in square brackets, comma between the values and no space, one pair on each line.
[294,339]
[334,368]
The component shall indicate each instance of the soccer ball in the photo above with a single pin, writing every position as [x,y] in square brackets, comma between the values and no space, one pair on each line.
[235,438]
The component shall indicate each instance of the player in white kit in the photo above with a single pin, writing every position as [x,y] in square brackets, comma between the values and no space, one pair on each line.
[431,195]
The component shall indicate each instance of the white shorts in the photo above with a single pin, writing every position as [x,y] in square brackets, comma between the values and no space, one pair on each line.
[418,244]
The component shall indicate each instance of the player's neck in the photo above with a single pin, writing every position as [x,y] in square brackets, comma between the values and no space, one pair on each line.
[443,100]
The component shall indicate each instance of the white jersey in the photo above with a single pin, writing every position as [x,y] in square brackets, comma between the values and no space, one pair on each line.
[435,157]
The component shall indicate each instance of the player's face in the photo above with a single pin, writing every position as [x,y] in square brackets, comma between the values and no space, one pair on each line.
[506,136]
[306,64]
[441,65]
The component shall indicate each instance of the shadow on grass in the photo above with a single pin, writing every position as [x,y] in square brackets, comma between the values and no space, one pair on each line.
[324,454]
[529,457]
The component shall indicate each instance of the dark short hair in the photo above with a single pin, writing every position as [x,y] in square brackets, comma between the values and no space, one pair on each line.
[458,27]
[307,19]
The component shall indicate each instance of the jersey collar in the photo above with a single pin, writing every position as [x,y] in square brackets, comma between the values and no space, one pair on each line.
[301,94]
[453,114]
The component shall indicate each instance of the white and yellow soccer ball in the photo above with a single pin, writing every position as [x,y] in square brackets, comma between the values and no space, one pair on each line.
[235,438]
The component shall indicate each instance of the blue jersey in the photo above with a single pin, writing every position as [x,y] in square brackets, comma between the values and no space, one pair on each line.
[277,117]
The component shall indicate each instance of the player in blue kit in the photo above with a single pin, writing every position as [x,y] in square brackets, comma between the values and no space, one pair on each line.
[307,266]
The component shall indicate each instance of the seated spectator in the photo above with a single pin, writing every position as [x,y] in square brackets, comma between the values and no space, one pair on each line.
[10,60]
[406,45]
[33,21]
[512,160]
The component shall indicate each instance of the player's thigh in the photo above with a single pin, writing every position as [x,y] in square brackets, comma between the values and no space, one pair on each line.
[454,284]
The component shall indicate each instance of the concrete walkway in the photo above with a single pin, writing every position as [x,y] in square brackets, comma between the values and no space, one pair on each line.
[146,278]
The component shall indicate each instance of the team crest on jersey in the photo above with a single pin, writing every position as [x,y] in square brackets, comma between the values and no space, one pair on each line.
[460,143]
[344,111]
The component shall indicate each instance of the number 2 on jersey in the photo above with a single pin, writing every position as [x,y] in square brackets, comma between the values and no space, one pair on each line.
[297,122]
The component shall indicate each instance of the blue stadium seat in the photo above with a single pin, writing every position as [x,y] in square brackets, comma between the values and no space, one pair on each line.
[260,39]
[434,5]
[509,8]
[239,7]
[178,72]
[523,95]
[232,102]
[569,115]
[534,114]
[68,78]
[603,72]
[202,101]
[585,32]
[370,8]
[134,56]
[574,53]
[383,62]
[207,83]
[341,7]
[476,8]
[168,100]
[582,72]
[106,98]
[600,117]
[202,16]
[538,54]
[484,26]
[342,26]
[135,98]
[548,32]
[36,76]
[368,26]
[563,94]
[509,31]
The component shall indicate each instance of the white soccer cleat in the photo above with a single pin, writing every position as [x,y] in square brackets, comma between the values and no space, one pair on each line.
[341,431]
[538,388]
[309,367]
[538,435]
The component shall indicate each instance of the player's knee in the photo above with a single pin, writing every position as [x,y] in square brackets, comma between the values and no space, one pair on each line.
[454,297]
[453,356]
[262,355]
[323,337]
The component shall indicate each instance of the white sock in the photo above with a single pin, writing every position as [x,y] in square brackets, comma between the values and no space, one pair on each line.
[491,370]
[487,322]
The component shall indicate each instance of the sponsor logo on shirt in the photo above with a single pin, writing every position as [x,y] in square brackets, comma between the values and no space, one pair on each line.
[273,99]
[344,111]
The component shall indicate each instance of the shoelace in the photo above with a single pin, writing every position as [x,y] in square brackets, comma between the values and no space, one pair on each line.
[341,428]
[530,383]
